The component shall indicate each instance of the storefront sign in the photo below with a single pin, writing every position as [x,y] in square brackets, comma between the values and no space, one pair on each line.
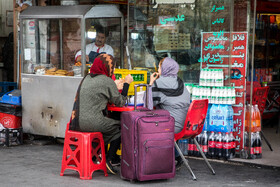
[164,19]
[217,52]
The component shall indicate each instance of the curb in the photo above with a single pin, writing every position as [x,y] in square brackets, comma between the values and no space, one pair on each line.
[238,162]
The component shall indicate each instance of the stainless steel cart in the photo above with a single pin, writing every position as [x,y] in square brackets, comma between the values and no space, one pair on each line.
[50,37]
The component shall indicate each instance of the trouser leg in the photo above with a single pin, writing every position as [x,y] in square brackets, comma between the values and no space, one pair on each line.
[114,146]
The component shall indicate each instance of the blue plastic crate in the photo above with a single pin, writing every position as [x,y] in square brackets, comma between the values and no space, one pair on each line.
[12,97]
[7,86]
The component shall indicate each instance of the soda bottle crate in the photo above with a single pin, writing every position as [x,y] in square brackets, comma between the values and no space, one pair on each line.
[6,86]
[139,77]
[10,137]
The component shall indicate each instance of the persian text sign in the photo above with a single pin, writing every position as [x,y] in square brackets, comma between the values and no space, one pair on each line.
[216,53]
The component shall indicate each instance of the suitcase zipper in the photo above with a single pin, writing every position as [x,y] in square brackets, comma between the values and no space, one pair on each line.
[147,147]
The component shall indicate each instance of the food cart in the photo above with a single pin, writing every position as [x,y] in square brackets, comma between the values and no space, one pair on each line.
[50,37]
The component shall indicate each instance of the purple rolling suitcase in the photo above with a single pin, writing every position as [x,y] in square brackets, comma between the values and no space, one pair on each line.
[147,144]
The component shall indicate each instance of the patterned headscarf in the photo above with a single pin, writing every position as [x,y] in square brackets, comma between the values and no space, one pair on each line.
[103,64]
[169,67]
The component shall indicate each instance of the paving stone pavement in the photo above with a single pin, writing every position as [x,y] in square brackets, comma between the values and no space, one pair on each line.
[39,165]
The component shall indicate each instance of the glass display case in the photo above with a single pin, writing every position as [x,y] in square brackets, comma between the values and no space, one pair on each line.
[52,38]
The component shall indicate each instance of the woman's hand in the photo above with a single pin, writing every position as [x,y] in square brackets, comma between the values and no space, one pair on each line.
[128,79]
[153,77]
[119,84]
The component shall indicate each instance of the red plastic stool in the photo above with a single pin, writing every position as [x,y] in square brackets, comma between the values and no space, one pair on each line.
[78,153]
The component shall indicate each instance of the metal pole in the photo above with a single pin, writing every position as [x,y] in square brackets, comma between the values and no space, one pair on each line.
[230,40]
[252,76]
[127,24]
[83,46]
[127,37]
[61,44]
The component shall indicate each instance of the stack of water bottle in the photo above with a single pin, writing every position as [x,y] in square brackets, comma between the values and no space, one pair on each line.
[216,139]
[211,77]
[256,142]
[217,95]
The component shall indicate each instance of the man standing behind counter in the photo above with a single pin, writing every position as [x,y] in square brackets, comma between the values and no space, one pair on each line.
[97,47]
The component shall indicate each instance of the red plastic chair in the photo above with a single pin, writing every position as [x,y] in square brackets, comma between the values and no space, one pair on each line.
[259,97]
[248,88]
[78,153]
[193,126]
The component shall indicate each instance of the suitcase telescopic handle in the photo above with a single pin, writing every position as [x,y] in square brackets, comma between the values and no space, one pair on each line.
[135,94]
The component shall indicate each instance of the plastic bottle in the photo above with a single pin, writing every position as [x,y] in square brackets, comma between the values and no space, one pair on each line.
[222,77]
[221,118]
[211,145]
[212,123]
[246,141]
[227,118]
[257,118]
[226,146]
[207,77]
[220,95]
[194,93]
[198,95]
[229,97]
[219,145]
[233,145]
[203,93]
[183,145]
[212,77]
[217,101]
[252,150]
[208,94]
[202,78]
[198,139]
[233,95]
[258,145]
[213,95]
[253,114]
[223,95]
[231,118]
[191,147]
[206,123]
[204,142]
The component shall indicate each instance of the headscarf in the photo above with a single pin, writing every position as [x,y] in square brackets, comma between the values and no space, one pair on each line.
[103,64]
[169,67]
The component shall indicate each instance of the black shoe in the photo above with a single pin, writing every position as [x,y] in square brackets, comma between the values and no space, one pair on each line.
[179,163]
[110,167]
[116,161]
